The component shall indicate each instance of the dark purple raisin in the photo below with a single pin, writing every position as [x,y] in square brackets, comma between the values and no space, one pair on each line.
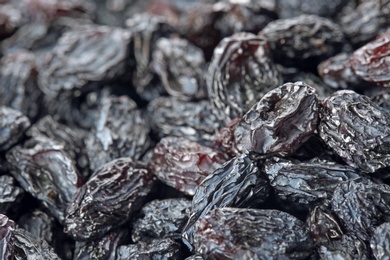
[108,199]
[184,164]
[240,73]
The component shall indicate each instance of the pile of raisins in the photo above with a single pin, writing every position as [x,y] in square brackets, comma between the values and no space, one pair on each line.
[194,129]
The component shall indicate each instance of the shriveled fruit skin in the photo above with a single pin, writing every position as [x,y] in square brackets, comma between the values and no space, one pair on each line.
[372,61]
[305,183]
[161,219]
[7,229]
[71,137]
[337,72]
[297,40]
[240,73]
[180,67]
[169,116]
[157,249]
[380,241]
[29,247]
[357,130]
[361,205]
[13,124]
[280,122]
[364,22]
[184,164]
[18,83]
[120,131]
[73,65]
[10,194]
[108,199]
[237,183]
[231,233]
[103,248]
[46,171]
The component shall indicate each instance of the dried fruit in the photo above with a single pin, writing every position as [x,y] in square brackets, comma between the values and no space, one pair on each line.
[303,40]
[180,66]
[191,120]
[305,183]
[238,183]
[231,233]
[45,170]
[108,199]
[120,131]
[357,130]
[82,57]
[12,124]
[230,92]
[7,228]
[280,122]
[26,246]
[157,249]
[161,219]
[184,164]
[371,62]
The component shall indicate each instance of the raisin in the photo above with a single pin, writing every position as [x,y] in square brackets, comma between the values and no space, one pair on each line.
[238,183]
[39,225]
[184,164]
[71,138]
[348,247]
[222,19]
[120,131]
[356,129]
[12,124]
[19,88]
[288,8]
[7,229]
[83,56]
[108,199]
[157,249]
[338,74]
[231,233]
[191,120]
[230,92]
[371,62]
[304,183]
[146,30]
[303,40]
[103,248]
[364,22]
[38,10]
[380,241]
[361,205]
[161,219]
[10,194]
[45,170]
[280,122]
[26,246]
[323,225]
[180,66]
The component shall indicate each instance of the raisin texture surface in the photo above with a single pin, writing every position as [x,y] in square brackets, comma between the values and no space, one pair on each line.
[372,61]
[232,233]
[280,122]
[356,129]
[45,170]
[231,93]
[108,199]
[184,164]
[237,183]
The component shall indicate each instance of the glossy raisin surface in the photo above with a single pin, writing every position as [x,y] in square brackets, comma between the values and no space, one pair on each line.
[108,199]
[280,122]
[356,129]
[184,164]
